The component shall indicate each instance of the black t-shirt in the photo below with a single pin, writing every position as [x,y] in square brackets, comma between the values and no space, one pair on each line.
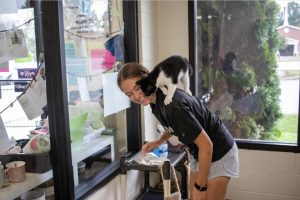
[186,116]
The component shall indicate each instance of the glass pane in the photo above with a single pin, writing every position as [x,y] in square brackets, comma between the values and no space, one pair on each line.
[24,137]
[249,59]
[94,50]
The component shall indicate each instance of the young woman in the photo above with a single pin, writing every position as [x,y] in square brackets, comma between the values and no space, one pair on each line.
[214,154]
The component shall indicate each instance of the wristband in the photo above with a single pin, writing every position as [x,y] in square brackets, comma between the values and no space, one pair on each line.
[201,188]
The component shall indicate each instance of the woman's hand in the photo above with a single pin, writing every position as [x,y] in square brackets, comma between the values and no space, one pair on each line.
[146,148]
[197,195]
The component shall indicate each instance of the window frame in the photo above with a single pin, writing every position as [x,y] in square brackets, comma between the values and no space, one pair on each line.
[53,34]
[242,144]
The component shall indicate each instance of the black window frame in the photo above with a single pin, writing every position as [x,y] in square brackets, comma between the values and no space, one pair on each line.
[242,144]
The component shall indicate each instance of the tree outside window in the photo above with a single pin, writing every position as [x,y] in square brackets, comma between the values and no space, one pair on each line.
[242,75]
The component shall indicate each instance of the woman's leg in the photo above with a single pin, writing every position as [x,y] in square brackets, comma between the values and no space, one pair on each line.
[216,188]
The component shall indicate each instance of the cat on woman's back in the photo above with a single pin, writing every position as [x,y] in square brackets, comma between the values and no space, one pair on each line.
[166,76]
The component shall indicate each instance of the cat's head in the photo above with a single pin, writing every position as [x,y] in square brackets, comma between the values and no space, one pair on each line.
[147,86]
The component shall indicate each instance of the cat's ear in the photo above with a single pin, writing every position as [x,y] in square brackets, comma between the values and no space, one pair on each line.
[149,90]
[139,82]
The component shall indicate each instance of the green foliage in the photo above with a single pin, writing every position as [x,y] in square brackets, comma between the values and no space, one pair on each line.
[256,73]
[244,78]
[294,13]
[288,123]
[249,129]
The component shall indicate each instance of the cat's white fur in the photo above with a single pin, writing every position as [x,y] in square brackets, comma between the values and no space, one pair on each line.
[168,88]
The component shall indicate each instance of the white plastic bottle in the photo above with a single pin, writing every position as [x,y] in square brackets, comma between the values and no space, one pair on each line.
[163,148]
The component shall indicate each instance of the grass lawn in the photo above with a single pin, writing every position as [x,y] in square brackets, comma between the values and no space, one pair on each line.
[287,125]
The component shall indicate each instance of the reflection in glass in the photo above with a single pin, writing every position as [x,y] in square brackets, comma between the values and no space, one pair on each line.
[94,51]
[243,73]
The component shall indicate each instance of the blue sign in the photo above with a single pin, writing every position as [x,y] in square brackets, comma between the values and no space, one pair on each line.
[20,86]
[27,73]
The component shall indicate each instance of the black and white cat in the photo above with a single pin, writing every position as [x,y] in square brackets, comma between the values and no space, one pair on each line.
[166,75]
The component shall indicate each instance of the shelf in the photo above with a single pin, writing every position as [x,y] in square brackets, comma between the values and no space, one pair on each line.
[83,151]
[32,180]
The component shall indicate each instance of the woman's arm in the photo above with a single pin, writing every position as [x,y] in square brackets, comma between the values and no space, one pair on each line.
[154,144]
[205,147]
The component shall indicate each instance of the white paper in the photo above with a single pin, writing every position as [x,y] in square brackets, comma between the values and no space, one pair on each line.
[8,6]
[15,44]
[83,89]
[3,47]
[4,140]
[114,99]
[35,98]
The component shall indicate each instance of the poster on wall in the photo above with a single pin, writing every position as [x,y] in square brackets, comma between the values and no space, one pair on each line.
[4,66]
[102,59]
[70,50]
[76,67]
[26,73]
[87,18]
[20,86]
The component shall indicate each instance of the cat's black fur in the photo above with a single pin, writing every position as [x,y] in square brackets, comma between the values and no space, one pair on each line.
[166,75]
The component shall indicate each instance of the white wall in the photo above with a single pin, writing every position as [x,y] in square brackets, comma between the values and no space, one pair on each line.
[264,175]
[163,32]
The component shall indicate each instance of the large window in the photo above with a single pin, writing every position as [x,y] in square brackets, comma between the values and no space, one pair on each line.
[248,57]
[97,109]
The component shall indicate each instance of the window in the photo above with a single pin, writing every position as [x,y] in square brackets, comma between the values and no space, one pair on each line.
[18,65]
[248,69]
[97,109]
[83,47]
[24,134]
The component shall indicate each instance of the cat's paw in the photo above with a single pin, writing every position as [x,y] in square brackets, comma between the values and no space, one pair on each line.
[167,100]
[164,90]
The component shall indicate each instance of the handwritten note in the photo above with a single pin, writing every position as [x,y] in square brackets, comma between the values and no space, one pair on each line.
[83,89]
[35,98]
[114,99]
[4,140]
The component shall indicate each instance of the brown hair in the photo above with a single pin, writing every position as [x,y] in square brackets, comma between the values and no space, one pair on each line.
[131,70]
